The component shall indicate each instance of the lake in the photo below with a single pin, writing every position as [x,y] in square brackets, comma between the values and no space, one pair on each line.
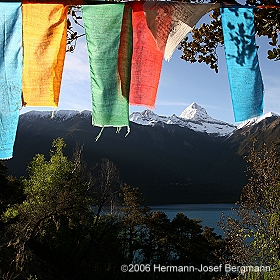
[210,214]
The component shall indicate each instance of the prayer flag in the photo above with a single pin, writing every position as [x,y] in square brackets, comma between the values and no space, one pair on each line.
[244,73]
[44,41]
[109,42]
[146,61]
[170,22]
[158,17]
[10,75]
[184,19]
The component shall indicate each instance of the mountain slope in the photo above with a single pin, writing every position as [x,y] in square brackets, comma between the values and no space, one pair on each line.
[170,163]
[264,129]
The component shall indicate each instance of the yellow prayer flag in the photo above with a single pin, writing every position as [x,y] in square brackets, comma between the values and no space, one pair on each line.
[44,47]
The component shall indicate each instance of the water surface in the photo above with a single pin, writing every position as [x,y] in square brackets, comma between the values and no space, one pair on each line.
[210,214]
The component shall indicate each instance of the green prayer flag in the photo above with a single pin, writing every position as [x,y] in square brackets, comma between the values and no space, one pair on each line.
[109,41]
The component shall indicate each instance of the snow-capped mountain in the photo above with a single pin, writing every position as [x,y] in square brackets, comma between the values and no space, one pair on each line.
[194,117]
[60,115]
[256,120]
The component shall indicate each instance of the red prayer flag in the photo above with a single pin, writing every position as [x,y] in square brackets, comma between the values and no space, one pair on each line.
[146,61]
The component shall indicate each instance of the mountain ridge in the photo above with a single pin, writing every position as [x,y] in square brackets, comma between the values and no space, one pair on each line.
[194,117]
[168,162]
[256,120]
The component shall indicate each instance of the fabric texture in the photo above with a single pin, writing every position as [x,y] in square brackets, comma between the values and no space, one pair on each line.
[10,75]
[244,73]
[109,42]
[184,16]
[159,17]
[125,51]
[170,22]
[146,61]
[44,40]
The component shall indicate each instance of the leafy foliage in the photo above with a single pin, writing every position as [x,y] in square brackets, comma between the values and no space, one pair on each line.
[208,37]
[253,235]
[204,43]
[11,191]
[55,196]
[74,19]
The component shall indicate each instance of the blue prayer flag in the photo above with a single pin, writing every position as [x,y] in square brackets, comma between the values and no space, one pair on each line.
[10,75]
[244,73]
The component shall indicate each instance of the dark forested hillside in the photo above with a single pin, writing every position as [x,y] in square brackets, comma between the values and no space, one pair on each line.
[169,164]
[267,131]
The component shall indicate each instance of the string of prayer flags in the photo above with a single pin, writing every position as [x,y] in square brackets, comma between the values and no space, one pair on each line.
[146,61]
[10,75]
[109,65]
[126,45]
[242,62]
[44,40]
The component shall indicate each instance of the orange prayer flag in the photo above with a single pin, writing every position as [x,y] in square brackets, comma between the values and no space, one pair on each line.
[146,61]
[44,48]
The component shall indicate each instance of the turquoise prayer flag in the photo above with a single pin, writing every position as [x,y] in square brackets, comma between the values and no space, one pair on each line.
[10,75]
[244,73]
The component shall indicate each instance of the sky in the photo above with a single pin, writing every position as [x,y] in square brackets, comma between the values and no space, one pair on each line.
[181,83]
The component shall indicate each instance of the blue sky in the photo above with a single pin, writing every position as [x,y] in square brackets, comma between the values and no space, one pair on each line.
[181,84]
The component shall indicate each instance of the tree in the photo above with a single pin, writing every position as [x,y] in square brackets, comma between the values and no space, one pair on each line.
[107,187]
[11,190]
[61,228]
[151,238]
[134,221]
[57,200]
[253,230]
[187,238]
[209,36]
[156,247]
[202,43]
